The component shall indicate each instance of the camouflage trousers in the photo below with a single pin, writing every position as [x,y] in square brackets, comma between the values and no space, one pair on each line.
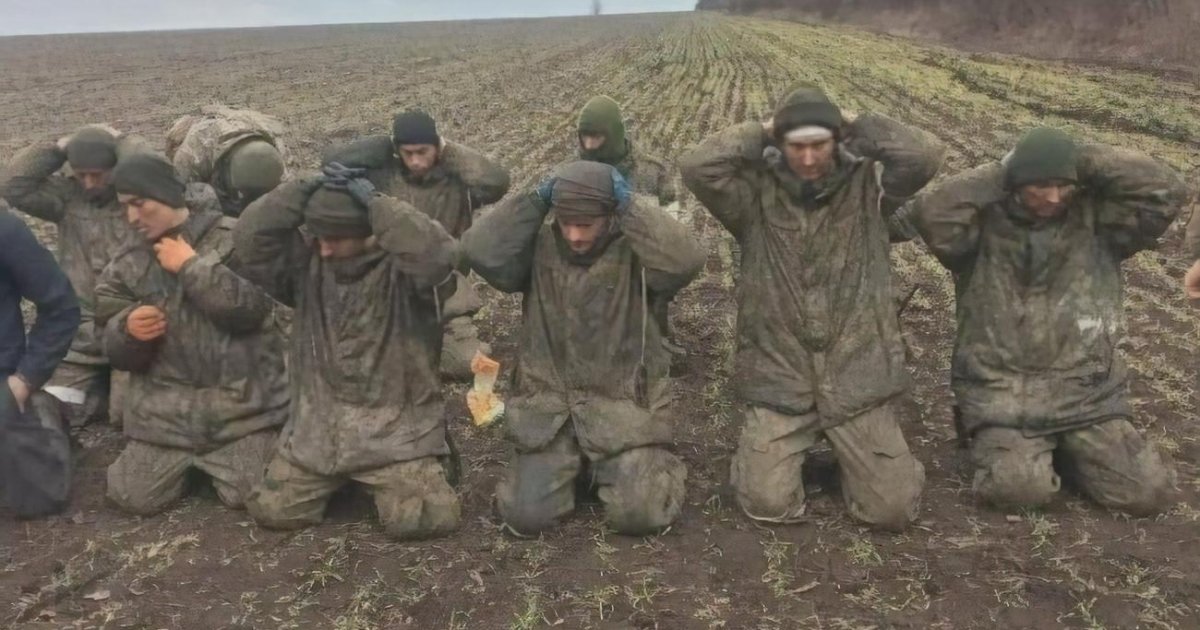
[83,389]
[642,489]
[413,498]
[460,339]
[1110,462]
[881,480]
[147,478]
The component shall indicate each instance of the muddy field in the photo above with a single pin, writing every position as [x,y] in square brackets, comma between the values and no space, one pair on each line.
[511,88]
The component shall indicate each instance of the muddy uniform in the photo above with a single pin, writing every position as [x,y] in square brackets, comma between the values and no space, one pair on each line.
[819,349]
[577,390]
[366,398]
[647,174]
[238,152]
[463,181]
[1040,314]
[91,232]
[212,392]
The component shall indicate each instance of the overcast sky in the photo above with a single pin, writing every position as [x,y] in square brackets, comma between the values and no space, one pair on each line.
[28,17]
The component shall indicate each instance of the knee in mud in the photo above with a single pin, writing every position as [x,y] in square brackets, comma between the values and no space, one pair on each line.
[525,518]
[642,490]
[429,514]
[268,512]
[895,506]
[1016,486]
[772,498]
[1149,491]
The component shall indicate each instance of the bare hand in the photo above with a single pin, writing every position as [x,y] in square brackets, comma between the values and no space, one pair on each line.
[173,253]
[146,323]
[19,389]
[769,128]
[1191,282]
[63,142]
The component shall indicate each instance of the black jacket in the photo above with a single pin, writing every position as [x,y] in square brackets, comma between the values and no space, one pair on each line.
[29,271]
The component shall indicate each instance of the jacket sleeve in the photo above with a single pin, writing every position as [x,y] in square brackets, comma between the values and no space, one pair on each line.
[948,216]
[664,181]
[115,301]
[500,245]
[421,247]
[486,180]
[31,186]
[667,249]
[1138,197]
[39,279]
[233,303]
[268,246]
[722,171]
[911,158]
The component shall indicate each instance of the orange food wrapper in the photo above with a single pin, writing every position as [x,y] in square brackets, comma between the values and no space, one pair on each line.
[482,400]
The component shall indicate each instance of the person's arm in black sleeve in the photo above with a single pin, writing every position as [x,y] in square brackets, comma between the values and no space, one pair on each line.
[41,281]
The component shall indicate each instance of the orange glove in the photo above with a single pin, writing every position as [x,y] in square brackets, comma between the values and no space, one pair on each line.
[146,323]
[172,253]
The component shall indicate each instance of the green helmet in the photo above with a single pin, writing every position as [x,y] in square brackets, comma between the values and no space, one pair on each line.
[255,167]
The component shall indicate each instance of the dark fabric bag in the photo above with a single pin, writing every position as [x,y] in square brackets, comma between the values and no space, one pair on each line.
[35,460]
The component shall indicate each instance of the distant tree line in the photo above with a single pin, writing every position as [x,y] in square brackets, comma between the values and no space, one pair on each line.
[1156,30]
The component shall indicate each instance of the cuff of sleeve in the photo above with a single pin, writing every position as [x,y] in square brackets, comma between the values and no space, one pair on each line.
[33,378]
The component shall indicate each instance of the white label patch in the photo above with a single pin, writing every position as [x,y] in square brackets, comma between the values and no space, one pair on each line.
[1089,324]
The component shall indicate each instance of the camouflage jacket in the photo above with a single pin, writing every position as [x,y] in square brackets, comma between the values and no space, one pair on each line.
[1039,303]
[197,144]
[648,174]
[218,373]
[463,181]
[581,340]
[817,329]
[366,337]
[90,233]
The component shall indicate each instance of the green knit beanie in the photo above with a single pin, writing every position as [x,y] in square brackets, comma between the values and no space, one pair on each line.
[602,116]
[1043,154]
[92,149]
[335,214]
[807,105]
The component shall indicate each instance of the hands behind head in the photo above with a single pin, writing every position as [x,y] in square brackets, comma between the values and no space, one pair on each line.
[146,323]
[545,189]
[337,176]
[622,191]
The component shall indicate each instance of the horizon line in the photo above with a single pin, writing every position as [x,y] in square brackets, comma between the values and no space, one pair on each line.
[298,24]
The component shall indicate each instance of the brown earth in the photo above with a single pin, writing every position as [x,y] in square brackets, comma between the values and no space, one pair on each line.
[512,87]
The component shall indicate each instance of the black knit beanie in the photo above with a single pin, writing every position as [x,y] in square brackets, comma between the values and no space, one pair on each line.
[415,127]
[150,176]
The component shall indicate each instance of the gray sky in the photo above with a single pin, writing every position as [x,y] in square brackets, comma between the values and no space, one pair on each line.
[28,17]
